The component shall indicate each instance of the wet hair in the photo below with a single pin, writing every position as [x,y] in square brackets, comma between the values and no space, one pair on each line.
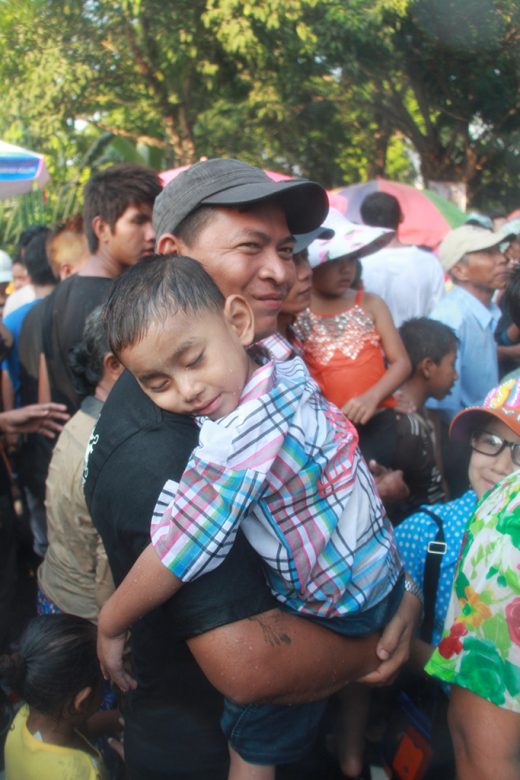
[36,260]
[381,210]
[155,288]
[86,358]
[109,193]
[424,338]
[512,296]
[56,660]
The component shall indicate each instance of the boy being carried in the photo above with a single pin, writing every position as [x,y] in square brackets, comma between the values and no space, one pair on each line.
[274,456]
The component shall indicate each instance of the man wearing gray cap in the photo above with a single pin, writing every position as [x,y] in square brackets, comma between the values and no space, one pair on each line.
[472,257]
[239,224]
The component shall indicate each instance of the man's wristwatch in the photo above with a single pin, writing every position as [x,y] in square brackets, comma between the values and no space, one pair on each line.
[411,586]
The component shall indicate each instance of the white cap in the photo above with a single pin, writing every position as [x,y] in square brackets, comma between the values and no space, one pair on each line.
[348,239]
[6,267]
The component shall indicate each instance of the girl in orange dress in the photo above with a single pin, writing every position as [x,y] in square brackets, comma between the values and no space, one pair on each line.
[347,336]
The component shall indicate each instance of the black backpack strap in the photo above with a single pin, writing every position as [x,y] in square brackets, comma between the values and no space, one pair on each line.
[432,566]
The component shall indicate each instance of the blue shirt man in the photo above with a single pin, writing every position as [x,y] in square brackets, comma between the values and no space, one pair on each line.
[477,367]
[472,257]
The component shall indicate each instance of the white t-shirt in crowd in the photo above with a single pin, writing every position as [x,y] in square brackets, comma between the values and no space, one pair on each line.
[409,280]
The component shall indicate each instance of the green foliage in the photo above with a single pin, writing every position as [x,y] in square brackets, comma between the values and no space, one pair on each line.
[339,90]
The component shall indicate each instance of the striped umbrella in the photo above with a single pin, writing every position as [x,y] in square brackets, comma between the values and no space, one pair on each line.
[20,170]
[427,217]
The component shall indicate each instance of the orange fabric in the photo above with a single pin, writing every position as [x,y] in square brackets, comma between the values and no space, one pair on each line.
[350,366]
[343,378]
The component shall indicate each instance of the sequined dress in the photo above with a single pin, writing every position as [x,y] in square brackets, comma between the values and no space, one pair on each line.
[343,352]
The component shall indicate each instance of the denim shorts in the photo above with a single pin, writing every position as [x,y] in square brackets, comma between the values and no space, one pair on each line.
[277,734]
[269,734]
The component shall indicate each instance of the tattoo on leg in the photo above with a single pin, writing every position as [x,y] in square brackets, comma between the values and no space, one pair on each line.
[272,635]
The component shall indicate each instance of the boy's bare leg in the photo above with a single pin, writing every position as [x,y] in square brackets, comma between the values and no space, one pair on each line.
[241,770]
[353,717]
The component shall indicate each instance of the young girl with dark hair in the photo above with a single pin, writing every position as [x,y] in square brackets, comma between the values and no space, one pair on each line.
[58,677]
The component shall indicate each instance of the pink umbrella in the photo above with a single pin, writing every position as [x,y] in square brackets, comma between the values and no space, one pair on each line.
[427,216]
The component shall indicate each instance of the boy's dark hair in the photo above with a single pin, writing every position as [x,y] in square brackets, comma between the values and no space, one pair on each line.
[86,358]
[36,260]
[425,338]
[109,193]
[26,236]
[157,287]
[512,296]
[381,210]
[56,660]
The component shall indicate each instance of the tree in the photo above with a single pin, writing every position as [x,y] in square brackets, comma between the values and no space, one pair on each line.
[445,73]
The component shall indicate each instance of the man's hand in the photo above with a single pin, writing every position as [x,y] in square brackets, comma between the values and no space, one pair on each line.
[390,483]
[393,649]
[46,419]
[110,653]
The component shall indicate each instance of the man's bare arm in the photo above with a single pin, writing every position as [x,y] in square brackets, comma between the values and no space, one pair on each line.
[285,659]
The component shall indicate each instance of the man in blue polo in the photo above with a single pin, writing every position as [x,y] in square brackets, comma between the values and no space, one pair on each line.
[473,258]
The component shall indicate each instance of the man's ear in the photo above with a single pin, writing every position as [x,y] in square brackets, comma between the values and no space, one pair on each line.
[101,229]
[459,271]
[168,244]
[240,316]
[66,270]
[81,699]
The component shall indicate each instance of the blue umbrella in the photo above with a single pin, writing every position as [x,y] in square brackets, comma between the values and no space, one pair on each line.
[20,170]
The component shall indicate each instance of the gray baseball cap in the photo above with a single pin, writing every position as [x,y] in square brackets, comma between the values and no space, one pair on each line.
[229,182]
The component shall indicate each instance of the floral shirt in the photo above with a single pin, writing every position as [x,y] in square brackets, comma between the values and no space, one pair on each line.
[480,647]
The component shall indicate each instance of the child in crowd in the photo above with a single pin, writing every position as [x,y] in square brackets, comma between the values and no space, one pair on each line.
[58,677]
[275,457]
[432,349]
[430,540]
[492,431]
[348,339]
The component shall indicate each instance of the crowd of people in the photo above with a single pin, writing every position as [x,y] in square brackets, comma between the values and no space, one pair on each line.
[267,463]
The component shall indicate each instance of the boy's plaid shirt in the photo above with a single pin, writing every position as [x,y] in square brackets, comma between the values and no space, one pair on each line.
[286,467]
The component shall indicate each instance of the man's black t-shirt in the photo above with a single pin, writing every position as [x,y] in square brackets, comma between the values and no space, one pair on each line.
[66,310]
[29,348]
[172,719]
[35,450]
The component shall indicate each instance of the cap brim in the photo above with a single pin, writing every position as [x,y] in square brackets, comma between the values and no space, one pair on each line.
[304,240]
[305,202]
[495,239]
[472,418]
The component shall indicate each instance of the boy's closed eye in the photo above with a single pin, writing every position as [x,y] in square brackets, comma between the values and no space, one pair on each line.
[158,387]
[196,361]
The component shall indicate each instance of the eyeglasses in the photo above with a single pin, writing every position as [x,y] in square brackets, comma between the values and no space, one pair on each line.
[492,445]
